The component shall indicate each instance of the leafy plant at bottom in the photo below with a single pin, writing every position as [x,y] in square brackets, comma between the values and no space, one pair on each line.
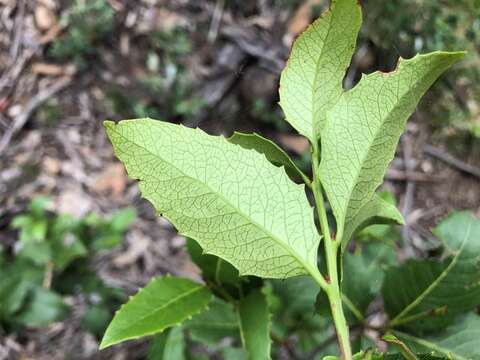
[88,23]
[52,258]
[247,212]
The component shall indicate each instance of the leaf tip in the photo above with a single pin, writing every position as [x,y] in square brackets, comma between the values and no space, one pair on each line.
[106,342]
[108,124]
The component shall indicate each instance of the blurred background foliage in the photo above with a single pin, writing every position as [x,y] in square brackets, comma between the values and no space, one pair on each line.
[406,27]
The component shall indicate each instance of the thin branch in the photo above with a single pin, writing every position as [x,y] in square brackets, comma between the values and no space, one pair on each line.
[20,121]
[452,161]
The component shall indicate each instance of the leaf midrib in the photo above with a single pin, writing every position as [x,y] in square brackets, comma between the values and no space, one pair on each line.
[284,246]
[168,303]
[317,67]
[430,345]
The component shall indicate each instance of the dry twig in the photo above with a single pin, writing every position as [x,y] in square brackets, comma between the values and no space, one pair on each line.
[450,160]
[20,120]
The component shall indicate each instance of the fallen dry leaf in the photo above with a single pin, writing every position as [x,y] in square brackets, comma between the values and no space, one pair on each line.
[296,143]
[300,20]
[48,69]
[45,18]
[113,180]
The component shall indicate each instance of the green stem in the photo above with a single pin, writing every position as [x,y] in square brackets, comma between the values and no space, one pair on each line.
[331,247]
[421,315]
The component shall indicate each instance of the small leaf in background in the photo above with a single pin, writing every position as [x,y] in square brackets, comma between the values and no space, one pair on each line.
[121,220]
[231,353]
[13,293]
[38,205]
[274,153]
[296,295]
[157,345]
[213,324]
[39,253]
[168,345]
[311,82]
[458,341]
[232,201]
[96,319]
[164,302]
[175,344]
[421,290]
[254,320]
[66,249]
[213,268]
[41,308]
[406,352]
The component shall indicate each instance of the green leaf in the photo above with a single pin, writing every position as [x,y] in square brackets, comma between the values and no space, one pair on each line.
[275,154]
[458,341]
[213,324]
[297,296]
[168,345]
[65,249]
[175,344]
[41,308]
[363,128]
[96,319]
[375,211]
[157,345]
[38,206]
[164,302]
[122,219]
[13,293]
[231,353]
[404,349]
[311,82]
[39,253]
[232,201]
[213,268]
[437,290]
[254,320]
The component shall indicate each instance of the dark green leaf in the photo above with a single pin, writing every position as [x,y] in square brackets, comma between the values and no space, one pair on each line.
[168,345]
[213,324]
[254,320]
[41,308]
[65,249]
[164,302]
[231,353]
[39,252]
[421,289]
[213,268]
[96,319]
[122,219]
[458,341]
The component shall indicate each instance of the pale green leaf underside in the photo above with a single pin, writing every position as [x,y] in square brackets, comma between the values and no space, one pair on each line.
[458,341]
[275,154]
[311,83]
[232,201]
[164,302]
[254,320]
[363,128]
[375,211]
